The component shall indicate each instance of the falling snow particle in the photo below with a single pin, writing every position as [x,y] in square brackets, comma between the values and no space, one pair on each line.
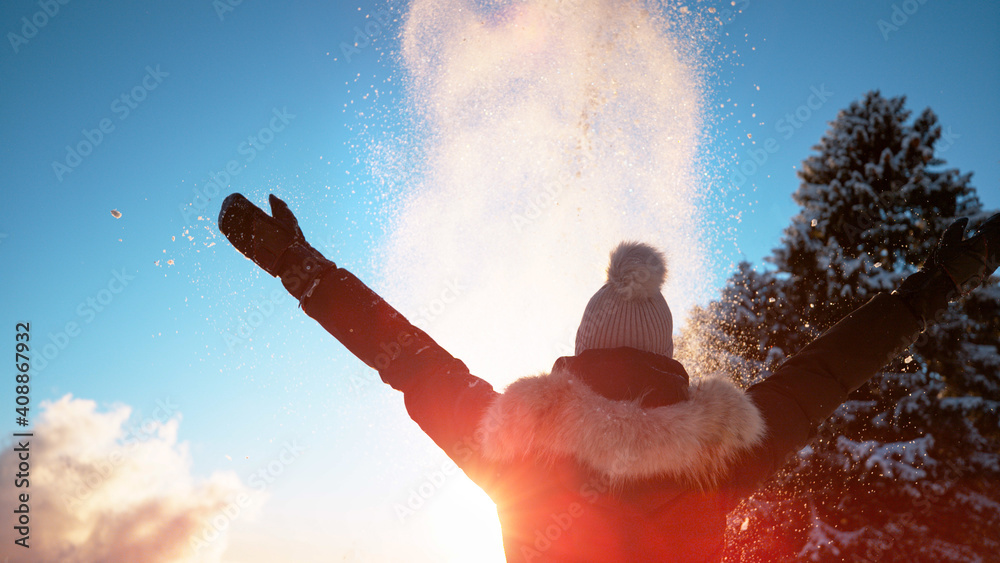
[116,214]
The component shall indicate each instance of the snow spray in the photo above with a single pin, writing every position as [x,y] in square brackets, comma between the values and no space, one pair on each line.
[548,132]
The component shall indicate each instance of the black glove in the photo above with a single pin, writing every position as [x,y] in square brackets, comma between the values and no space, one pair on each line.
[275,243]
[955,268]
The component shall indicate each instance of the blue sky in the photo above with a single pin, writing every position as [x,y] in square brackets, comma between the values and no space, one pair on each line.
[198,85]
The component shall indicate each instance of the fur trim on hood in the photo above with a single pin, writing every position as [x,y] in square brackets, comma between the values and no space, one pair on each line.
[556,415]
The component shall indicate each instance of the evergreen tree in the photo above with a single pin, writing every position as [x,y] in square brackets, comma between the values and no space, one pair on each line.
[909,468]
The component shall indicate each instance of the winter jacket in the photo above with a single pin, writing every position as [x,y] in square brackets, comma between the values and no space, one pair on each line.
[614,455]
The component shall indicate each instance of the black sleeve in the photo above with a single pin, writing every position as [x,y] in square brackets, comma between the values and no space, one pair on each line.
[811,384]
[440,394]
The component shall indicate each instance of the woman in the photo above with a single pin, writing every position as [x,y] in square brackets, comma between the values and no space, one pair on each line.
[613,455]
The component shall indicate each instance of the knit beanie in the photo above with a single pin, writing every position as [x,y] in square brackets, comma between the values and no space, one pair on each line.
[629,309]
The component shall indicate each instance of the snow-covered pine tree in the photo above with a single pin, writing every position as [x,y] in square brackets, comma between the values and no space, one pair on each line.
[908,469]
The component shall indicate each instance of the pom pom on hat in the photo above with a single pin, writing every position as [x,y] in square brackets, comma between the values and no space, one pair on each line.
[637,270]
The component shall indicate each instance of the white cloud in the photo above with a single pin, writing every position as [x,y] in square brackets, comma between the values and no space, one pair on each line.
[101,490]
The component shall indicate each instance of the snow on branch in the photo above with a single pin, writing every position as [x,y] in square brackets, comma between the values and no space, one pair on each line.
[895,460]
[822,536]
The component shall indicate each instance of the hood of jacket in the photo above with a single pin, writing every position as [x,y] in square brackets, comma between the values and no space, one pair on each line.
[626,415]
